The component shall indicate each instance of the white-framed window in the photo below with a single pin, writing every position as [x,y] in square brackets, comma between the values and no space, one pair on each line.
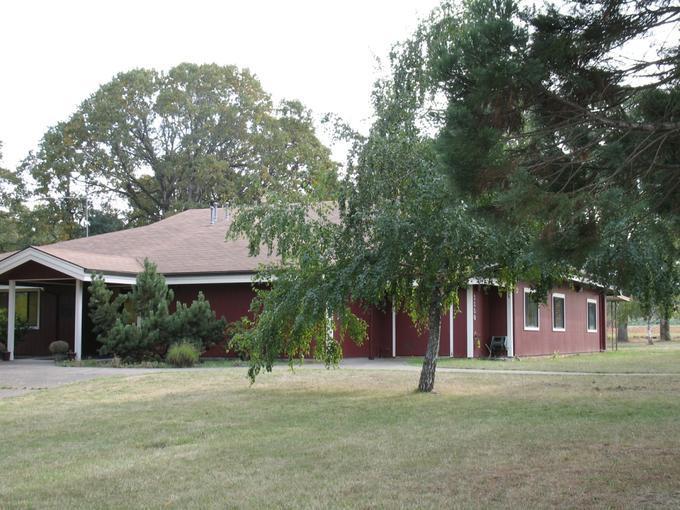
[591,315]
[27,306]
[532,320]
[559,312]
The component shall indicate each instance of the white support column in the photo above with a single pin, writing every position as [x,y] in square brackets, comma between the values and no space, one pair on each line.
[11,316]
[451,332]
[470,315]
[78,325]
[394,331]
[510,324]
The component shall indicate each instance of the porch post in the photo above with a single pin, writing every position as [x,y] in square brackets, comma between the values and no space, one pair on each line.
[451,332]
[470,316]
[510,324]
[394,331]
[78,325]
[11,316]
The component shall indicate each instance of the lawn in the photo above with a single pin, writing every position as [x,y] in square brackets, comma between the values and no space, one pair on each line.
[662,357]
[343,439]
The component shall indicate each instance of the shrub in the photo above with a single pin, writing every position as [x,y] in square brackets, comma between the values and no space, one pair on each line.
[198,324]
[104,307]
[59,349]
[183,354]
[3,347]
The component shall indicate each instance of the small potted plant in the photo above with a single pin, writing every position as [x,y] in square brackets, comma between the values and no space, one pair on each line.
[59,350]
[4,352]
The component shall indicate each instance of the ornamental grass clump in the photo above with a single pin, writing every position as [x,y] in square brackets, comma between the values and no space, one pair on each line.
[182,355]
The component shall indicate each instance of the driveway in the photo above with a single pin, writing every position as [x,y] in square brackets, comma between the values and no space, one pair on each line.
[22,376]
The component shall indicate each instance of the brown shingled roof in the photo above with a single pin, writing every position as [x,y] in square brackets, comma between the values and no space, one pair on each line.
[185,243]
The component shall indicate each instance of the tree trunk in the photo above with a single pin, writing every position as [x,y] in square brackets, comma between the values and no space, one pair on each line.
[622,331]
[664,329]
[650,339]
[430,362]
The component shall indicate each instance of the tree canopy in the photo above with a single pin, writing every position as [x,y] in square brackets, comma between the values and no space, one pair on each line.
[162,142]
[507,142]
[398,236]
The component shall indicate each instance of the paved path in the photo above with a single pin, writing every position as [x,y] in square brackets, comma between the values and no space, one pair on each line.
[401,364]
[22,376]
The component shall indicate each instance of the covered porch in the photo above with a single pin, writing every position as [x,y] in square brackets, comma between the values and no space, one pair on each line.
[47,297]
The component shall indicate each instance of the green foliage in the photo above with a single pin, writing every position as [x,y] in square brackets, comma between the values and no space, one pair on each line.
[398,234]
[184,354]
[104,308]
[21,327]
[150,336]
[200,133]
[197,323]
[147,335]
[130,343]
[150,295]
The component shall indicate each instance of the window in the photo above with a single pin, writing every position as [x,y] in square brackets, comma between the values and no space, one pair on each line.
[531,319]
[27,306]
[592,315]
[558,312]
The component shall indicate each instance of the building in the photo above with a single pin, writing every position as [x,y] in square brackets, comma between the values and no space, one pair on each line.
[46,286]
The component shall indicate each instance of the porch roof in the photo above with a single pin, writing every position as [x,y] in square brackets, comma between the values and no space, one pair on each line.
[183,244]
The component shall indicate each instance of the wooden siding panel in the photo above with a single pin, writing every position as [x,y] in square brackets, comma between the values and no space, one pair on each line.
[575,338]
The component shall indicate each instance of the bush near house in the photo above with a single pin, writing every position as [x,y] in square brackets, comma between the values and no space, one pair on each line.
[59,349]
[182,355]
[146,331]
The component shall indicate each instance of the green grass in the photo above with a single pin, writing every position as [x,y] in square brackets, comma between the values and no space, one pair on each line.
[632,358]
[343,439]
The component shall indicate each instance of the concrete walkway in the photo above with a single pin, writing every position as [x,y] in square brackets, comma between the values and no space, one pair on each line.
[401,364]
[22,376]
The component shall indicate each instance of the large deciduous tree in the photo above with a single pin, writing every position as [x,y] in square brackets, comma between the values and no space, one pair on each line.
[163,142]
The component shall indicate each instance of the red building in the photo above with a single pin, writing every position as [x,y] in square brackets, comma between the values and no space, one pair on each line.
[46,287]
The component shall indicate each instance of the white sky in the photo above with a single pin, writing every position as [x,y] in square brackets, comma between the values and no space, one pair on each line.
[53,54]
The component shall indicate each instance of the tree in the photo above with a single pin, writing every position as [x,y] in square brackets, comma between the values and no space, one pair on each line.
[554,92]
[197,324]
[397,235]
[150,335]
[148,329]
[105,307]
[165,142]
[543,121]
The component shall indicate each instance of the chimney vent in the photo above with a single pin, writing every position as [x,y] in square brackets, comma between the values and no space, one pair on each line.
[213,214]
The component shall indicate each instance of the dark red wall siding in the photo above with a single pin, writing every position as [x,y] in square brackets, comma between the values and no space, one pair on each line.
[231,301]
[377,330]
[575,339]
[57,315]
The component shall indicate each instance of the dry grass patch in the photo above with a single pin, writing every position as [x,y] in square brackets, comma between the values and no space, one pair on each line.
[342,438]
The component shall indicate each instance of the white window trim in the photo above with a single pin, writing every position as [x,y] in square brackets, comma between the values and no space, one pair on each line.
[594,301]
[552,303]
[524,311]
[29,289]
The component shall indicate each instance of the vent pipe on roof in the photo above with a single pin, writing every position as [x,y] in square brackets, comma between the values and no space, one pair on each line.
[213,214]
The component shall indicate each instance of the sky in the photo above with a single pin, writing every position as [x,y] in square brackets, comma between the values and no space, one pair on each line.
[54,54]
